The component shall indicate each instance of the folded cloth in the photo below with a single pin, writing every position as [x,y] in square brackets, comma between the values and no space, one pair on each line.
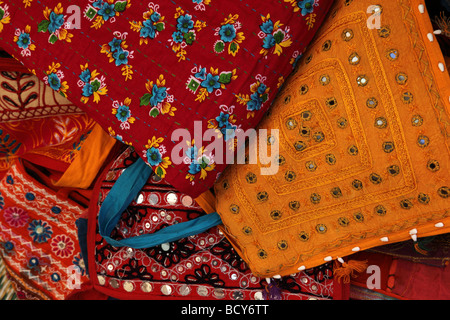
[142,70]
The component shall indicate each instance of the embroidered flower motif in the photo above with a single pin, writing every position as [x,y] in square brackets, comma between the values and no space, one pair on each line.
[123,113]
[40,231]
[304,6]
[113,134]
[151,26]
[116,51]
[259,95]
[121,57]
[211,82]
[229,35]
[199,163]
[54,77]
[201,4]
[203,275]
[274,37]
[23,40]
[54,24]
[307,6]
[106,11]
[79,262]
[4,15]
[62,246]
[154,154]
[224,124]
[102,11]
[158,98]
[185,34]
[92,84]
[185,23]
[16,217]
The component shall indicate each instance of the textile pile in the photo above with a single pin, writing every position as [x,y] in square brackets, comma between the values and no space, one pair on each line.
[217,150]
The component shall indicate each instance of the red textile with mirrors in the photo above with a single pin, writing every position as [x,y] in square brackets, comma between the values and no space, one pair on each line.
[204,266]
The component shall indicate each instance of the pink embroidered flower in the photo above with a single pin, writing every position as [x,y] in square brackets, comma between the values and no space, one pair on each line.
[16,217]
[62,246]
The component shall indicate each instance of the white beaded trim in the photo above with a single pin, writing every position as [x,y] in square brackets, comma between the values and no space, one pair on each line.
[421,8]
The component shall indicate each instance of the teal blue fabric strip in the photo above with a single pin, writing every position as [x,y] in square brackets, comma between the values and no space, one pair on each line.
[123,192]
[171,233]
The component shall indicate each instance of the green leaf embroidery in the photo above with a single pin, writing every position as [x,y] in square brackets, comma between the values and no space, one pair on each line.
[225,77]
[219,46]
[95,85]
[159,26]
[159,172]
[43,26]
[120,6]
[234,47]
[279,36]
[154,112]
[264,97]
[53,38]
[145,99]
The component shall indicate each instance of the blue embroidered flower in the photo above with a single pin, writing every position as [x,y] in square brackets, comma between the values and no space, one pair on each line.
[85,76]
[185,23]
[306,6]
[154,157]
[123,113]
[148,30]
[201,74]
[222,119]
[24,40]
[40,231]
[177,36]
[54,81]
[197,1]
[227,33]
[121,57]
[194,167]
[211,82]
[267,27]
[107,11]
[228,131]
[269,41]
[191,153]
[255,102]
[158,95]
[262,88]
[56,21]
[115,44]
[98,4]
[88,90]
[155,17]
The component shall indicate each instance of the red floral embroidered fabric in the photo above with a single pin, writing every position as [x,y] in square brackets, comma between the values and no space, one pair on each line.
[145,69]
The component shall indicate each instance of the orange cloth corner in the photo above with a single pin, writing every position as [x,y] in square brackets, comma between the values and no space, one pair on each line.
[363,145]
[83,170]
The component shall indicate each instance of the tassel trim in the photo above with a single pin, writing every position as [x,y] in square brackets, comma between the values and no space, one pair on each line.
[348,270]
